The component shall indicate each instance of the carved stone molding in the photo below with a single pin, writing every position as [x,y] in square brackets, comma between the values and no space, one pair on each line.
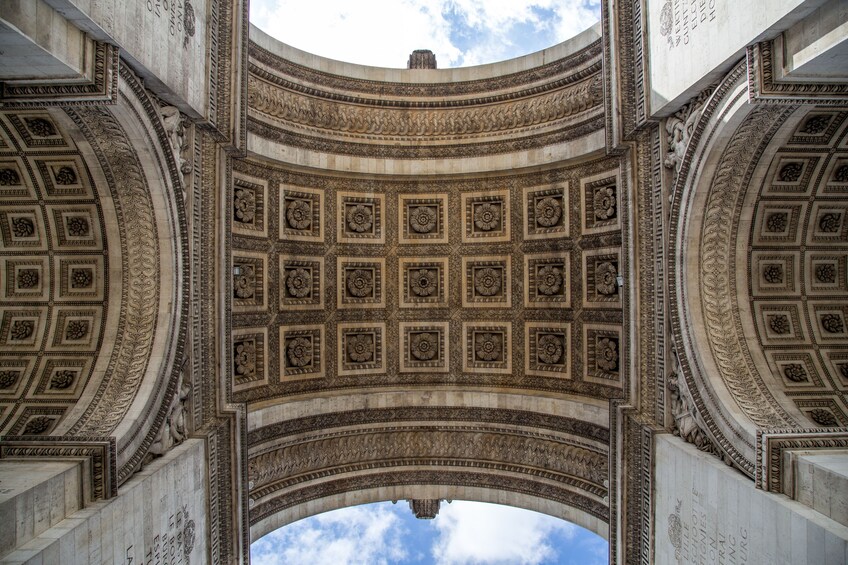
[772,444]
[97,453]
[765,59]
[99,87]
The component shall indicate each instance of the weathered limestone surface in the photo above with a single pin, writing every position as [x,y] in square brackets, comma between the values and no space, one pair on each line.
[708,513]
[159,517]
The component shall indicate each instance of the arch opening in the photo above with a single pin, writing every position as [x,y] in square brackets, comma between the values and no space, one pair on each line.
[459,34]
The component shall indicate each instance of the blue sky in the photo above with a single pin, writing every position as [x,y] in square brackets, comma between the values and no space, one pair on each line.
[461,32]
[464,533]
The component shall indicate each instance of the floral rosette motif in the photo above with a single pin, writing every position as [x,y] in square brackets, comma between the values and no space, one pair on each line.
[423,282]
[829,223]
[76,329]
[776,223]
[23,227]
[245,358]
[823,417]
[27,278]
[360,348]
[245,282]
[77,226]
[359,218]
[422,219]
[62,379]
[548,211]
[487,281]
[22,329]
[424,346]
[299,282]
[299,352]
[779,324]
[605,278]
[826,273]
[795,372]
[773,274]
[360,283]
[81,278]
[790,172]
[604,203]
[488,347]
[487,217]
[66,176]
[299,214]
[832,324]
[607,354]
[549,349]
[549,280]
[245,205]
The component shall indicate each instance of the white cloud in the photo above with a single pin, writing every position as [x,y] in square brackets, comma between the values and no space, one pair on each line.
[477,533]
[460,32]
[350,536]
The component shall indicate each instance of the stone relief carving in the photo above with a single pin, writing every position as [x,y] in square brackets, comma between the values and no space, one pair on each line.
[288,106]
[360,347]
[175,428]
[679,128]
[487,216]
[359,218]
[424,282]
[488,346]
[424,346]
[40,127]
[548,211]
[423,219]
[686,422]
[549,349]
[299,282]
[360,283]
[176,128]
[425,509]
[487,281]
[299,352]
[299,214]
[549,280]
[37,425]
[9,379]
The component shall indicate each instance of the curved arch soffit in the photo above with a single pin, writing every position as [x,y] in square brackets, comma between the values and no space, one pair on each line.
[722,160]
[128,145]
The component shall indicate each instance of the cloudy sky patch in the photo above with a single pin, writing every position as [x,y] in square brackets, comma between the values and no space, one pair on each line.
[460,32]
[464,533]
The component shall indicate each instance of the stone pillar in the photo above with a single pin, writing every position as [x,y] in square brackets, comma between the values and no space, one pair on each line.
[158,516]
[707,512]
